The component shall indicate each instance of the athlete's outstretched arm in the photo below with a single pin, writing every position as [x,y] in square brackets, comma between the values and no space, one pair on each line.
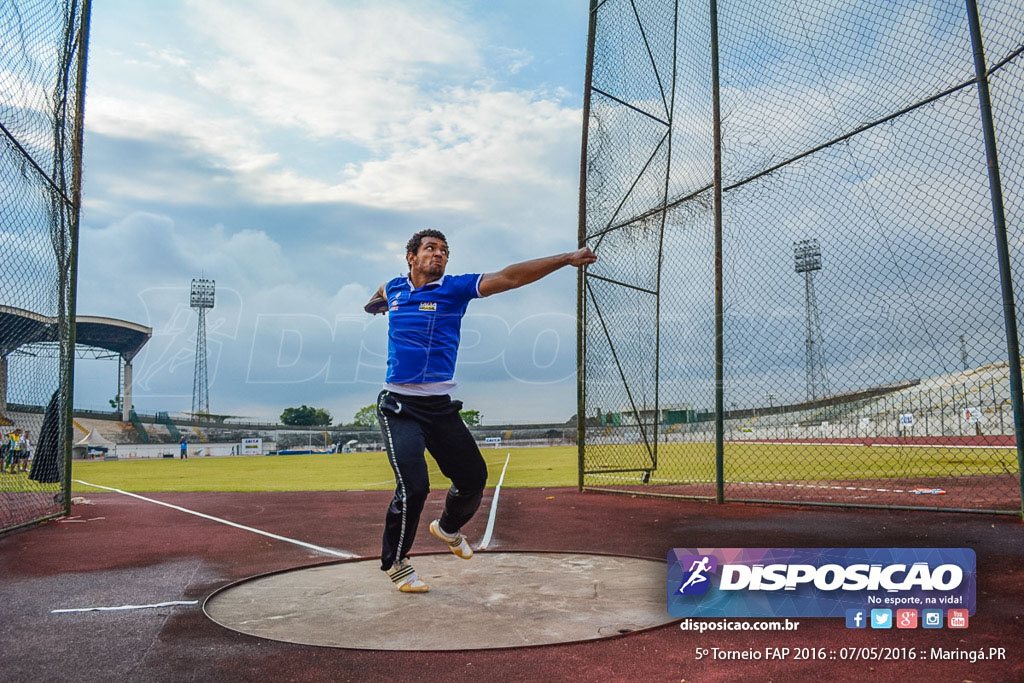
[378,303]
[519,274]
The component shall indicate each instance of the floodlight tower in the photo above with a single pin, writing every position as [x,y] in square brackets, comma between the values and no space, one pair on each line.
[807,260]
[201,300]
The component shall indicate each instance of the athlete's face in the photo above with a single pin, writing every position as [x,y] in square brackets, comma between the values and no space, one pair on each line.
[430,259]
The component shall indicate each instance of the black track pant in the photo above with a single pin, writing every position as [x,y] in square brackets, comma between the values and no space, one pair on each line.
[409,424]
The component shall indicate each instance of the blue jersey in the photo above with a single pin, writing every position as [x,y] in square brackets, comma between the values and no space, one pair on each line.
[425,325]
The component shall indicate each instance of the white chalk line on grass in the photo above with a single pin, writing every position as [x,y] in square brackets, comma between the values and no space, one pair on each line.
[310,546]
[124,607]
[374,483]
[486,540]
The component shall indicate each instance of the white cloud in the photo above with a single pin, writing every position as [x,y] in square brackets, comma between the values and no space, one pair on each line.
[141,115]
[279,337]
[256,276]
[250,109]
[516,59]
[355,72]
[405,83]
[486,146]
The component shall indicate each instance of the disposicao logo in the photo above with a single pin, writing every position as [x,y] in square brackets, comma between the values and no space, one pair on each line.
[817,582]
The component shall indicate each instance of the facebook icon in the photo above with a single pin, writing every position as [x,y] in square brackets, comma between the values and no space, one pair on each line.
[856,618]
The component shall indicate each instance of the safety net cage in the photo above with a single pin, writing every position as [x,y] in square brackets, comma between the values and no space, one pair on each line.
[42,68]
[806,216]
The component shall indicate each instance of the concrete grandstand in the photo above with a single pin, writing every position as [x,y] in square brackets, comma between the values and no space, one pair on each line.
[24,331]
[970,406]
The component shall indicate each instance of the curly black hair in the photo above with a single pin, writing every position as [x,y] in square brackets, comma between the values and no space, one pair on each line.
[416,240]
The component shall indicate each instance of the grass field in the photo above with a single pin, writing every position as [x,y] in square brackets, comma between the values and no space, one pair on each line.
[771,462]
[342,471]
[554,466]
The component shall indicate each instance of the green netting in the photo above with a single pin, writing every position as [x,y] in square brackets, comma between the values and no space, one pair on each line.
[865,355]
[41,74]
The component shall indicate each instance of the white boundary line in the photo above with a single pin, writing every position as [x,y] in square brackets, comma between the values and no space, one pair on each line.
[917,490]
[124,607]
[772,442]
[494,508]
[310,546]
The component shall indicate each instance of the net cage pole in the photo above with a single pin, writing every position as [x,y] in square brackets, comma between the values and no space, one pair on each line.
[777,125]
[581,325]
[716,112]
[661,246]
[43,79]
[68,351]
[999,225]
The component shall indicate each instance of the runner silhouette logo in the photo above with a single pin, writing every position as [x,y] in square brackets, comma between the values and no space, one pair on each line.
[697,580]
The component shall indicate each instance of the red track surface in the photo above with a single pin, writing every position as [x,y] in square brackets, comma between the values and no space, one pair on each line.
[134,552]
[980,492]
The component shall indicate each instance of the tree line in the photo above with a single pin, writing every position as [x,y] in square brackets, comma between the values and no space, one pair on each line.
[366,416]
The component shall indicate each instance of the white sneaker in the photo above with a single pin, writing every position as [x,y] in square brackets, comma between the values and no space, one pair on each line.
[405,578]
[457,543]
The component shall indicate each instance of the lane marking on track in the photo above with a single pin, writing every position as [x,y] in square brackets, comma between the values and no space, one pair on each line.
[773,442]
[918,491]
[486,540]
[124,607]
[310,546]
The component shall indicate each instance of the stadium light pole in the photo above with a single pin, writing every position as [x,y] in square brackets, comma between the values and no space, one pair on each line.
[807,260]
[201,299]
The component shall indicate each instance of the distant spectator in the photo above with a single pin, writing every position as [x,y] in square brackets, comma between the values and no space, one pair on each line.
[26,452]
[183,445]
[15,451]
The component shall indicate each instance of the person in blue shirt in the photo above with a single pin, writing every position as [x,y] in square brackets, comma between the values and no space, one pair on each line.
[415,408]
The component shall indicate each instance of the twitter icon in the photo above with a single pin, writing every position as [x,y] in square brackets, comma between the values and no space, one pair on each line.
[881,618]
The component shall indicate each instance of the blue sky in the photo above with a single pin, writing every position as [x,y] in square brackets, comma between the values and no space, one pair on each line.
[288,150]
[901,211]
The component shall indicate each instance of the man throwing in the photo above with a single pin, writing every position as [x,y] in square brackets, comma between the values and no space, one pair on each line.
[415,409]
